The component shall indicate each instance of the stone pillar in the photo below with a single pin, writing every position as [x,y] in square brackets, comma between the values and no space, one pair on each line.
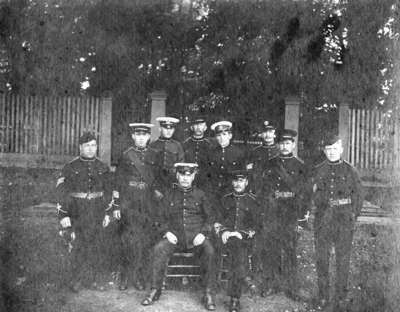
[158,109]
[105,130]
[344,114]
[292,115]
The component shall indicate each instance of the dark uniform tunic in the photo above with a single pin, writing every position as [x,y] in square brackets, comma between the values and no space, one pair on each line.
[168,152]
[134,180]
[337,194]
[261,154]
[84,191]
[221,162]
[239,213]
[284,193]
[197,151]
[186,213]
[259,158]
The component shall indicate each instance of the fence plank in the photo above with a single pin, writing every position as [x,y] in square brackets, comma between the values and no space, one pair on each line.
[3,124]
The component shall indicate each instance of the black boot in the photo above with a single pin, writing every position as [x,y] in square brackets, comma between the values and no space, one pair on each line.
[153,296]
[234,306]
[209,300]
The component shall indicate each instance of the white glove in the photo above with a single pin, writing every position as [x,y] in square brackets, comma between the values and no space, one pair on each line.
[236,234]
[225,236]
[117,214]
[158,194]
[171,238]
[106,220]
[199,239]
[65,222]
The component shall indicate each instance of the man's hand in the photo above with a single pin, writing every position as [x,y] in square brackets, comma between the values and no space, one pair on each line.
[226,235]
[158,194]
[117,214]
[65,222]
[106,220]
[199,239]
[236,234]
[171,238]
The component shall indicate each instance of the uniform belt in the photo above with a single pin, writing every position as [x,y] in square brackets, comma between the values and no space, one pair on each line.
[279,194]
[87,195]
[139,185]
[340,202]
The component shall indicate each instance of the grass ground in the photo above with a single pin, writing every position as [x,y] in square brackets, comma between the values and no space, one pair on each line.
[34,259]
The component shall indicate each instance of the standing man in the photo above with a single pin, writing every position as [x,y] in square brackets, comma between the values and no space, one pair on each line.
[224,158]
[84,191]
[337,195]
[169,152]
[185,224]
[238,225]
[284,193]
[197,148]
[261,154]
[134,180]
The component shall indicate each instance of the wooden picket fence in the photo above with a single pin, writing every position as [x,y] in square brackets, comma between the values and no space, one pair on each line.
[371,137]
[44,131]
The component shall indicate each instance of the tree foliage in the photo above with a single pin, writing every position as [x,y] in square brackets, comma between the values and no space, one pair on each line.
[229,57]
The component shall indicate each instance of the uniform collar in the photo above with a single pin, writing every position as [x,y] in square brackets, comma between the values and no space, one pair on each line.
[197,139]
[238,194]
[86,159]
[184,190]
[164,139]
[139,149]
[268,145]
[334,163]
[286,156]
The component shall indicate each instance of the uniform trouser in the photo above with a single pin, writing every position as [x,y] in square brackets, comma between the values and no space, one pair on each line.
[238,265]
[268,259]
[163,251]
[136,243]
[287,247]
[88,253]
[341,237]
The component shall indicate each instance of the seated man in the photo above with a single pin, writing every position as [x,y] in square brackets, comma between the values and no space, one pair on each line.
[238,224]
[186,218]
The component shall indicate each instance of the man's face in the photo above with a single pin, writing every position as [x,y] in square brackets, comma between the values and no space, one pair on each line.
[224,138]
[268,136]
[167,132]
[199,129]
[88,149]
[141,139]
[334,152]
[185,180]
[240,184]
[286,147]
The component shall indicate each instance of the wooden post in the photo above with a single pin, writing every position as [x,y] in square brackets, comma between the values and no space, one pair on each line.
[292,115]
[105,130]
[158,109]
[396,139]
[344,132]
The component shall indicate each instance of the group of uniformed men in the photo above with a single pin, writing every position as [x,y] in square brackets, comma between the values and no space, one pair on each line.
[209,195]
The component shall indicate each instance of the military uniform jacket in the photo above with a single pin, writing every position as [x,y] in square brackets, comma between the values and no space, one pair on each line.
[186,213]
[134,175]
[222,161]
[261,154]
[285,185]
[337,191]
[239,213]
[197,150]
[86,176]
[169,152]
